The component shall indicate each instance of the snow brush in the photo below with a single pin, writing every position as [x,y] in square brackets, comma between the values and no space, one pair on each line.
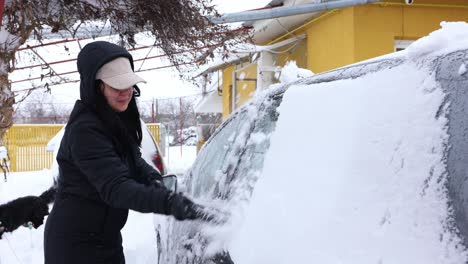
[212,215]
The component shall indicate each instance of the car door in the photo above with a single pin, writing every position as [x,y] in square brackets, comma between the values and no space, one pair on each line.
[223,174]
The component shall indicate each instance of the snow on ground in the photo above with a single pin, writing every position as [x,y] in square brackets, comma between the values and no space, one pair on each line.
[25,246]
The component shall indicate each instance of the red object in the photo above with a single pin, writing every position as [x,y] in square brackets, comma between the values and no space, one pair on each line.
[152,111]
[157,161]
[74,59]
[51,43]
[65,73]
[2,6]
[180,114]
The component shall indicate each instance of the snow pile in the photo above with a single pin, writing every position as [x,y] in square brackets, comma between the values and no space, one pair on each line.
[452,36]
[462,69]
[360,180]
[291,73]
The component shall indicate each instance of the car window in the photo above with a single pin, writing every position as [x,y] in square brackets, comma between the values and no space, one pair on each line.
[251,160]
[455,86]
[207,168]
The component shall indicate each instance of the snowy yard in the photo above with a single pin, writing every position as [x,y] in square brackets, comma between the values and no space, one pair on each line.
[25,246]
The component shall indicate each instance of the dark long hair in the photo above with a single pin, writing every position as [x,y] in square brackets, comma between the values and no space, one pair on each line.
[123,127]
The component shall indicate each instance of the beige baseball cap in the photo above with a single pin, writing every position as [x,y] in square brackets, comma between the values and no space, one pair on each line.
[119,74]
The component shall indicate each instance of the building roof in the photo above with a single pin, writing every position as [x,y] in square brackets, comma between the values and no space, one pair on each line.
[211,103]
[243,53]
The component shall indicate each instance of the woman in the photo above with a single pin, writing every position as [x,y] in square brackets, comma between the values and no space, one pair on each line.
[102,174]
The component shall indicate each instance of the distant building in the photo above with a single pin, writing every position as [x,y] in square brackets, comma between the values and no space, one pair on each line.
[208,116]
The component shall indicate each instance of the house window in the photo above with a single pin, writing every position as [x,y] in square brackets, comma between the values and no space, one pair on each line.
[401,44]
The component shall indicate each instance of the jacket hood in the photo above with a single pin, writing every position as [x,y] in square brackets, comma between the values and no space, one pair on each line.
[90,59]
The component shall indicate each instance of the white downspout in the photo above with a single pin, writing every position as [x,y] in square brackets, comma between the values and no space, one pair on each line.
[286,11]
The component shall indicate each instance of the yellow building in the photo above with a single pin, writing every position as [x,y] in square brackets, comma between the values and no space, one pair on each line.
[329,39]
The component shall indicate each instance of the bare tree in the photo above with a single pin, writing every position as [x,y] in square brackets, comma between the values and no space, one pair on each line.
[175,114]
[175,24]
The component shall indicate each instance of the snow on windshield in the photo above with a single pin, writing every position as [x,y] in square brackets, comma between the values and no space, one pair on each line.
[362,175]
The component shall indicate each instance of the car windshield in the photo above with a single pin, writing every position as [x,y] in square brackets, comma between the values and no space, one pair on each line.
[235,151]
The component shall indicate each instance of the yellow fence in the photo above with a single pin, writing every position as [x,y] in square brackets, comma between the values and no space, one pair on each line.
[26,145]
[155,131]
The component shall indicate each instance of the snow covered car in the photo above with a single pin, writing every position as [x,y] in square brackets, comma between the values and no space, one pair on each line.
[150,150]
[363,164]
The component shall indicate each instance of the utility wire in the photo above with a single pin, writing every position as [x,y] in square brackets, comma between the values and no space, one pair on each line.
[12,250]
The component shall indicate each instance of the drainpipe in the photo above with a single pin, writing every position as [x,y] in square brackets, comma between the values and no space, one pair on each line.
[2,6]
[286,11]
[266,68]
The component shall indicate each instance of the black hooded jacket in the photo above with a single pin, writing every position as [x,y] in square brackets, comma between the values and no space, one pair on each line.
[98,182]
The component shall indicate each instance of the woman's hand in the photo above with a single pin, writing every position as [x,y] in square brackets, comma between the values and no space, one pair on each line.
[182,208]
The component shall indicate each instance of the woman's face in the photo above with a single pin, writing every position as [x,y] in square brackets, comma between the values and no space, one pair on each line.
[117,99]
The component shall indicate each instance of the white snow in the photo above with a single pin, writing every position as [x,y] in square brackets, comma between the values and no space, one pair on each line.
[291,73]
[354,183]
[355,172]
[353,189]
[211,103]
[8,40]
[25,246]
[462,70]
[451,37]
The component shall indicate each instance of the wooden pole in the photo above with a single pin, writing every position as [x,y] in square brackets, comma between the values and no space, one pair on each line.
[152,112]
[180,125]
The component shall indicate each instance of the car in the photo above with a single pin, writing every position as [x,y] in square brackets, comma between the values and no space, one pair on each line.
[367,163]
[150,150]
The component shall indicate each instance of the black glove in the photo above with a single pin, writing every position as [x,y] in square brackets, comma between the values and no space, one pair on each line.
[182,208]
[22,211]
[155,179]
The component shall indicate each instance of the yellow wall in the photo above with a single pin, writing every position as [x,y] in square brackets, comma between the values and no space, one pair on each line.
[246,89]
[377,27]
[295,52]
[341,37]
[227,87]
[331,41]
